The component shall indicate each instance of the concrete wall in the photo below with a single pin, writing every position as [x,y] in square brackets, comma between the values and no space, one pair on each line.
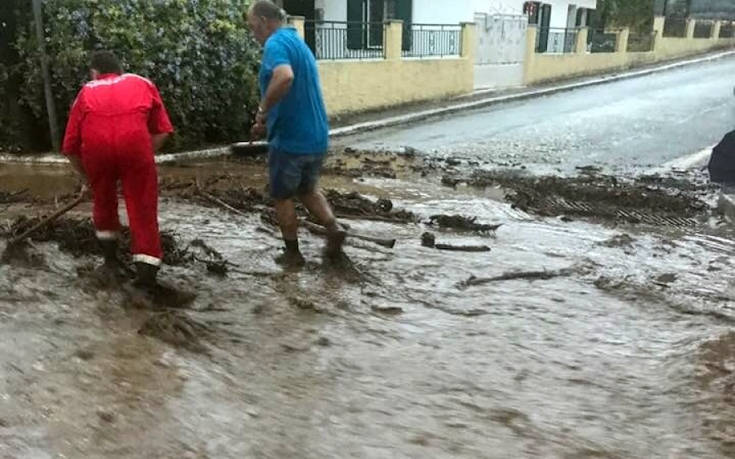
[351,86]
[540,68]
[364,85]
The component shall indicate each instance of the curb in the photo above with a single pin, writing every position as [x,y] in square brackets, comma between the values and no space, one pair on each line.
[409,118]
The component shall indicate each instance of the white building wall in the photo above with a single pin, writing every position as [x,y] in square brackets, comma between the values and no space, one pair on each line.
[334,10]
[456,11]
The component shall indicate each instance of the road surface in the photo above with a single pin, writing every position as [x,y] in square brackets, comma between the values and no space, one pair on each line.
[639,122]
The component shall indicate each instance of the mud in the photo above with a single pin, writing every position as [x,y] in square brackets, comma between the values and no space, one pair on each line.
[572,339]
[77,237]
[17,196]
[654,200]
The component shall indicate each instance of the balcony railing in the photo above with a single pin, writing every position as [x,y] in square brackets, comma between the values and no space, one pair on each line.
[431,40]
[556,40]
[337,40]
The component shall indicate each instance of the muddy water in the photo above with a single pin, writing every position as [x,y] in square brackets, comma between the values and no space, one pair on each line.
[628,355]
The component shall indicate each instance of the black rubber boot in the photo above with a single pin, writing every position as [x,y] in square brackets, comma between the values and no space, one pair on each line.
[145,275]
[109,251]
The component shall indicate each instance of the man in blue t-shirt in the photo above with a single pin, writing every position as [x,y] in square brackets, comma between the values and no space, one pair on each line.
[293,115]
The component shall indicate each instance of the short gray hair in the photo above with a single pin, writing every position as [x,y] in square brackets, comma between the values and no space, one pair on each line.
[268,10]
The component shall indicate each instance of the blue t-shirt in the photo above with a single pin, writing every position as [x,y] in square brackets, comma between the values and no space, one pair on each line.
[298,123]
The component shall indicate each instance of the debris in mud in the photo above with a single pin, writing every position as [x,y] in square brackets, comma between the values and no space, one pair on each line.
[77,237]
[460,222]
[665,279]
[355,205]
[22,253]
[84,354]
[650,199]
[384,164]
[429,240]
[450,181]
[519,275]
[177,329]
[304,305]
[106,416]
[619,240]
[11,197]
[388,310]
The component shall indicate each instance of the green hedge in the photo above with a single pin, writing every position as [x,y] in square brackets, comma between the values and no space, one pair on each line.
[198,52]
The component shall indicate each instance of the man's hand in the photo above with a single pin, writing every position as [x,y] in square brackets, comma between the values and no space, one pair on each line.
[258,131]
[85,191]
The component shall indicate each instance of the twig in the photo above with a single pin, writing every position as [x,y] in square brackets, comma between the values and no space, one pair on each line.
[527,275]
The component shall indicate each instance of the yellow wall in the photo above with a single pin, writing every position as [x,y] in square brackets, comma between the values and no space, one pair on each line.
[351,86]
[541,68]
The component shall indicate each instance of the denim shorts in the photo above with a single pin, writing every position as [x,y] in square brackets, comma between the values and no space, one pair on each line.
[293,175]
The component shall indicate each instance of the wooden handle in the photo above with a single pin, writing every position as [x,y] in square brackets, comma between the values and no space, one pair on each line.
[48,220]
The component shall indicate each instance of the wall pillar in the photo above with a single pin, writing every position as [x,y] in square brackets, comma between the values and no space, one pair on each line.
[621,44]
[691,23]
[298,22]
[392,39]
[581,45]
[716,30]
[469,40]
[528,62]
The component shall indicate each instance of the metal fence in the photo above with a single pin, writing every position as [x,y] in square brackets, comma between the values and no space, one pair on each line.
[641,43]
[334,40]
[600,41]
[556,40]
[675,27]
[727,30]
[703,29]
[431,40]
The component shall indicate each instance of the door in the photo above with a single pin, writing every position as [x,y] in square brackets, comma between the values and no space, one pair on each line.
[304,8]
[404,12]
[543,30]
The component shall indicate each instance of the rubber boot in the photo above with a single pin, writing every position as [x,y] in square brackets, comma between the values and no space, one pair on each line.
[145,275]
[109,252]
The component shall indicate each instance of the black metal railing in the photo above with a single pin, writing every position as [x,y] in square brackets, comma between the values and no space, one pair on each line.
[431,40]
[600,41]
[675,27]
[703,29]
[336,40]
[556,40]
[727,30]
[641,42]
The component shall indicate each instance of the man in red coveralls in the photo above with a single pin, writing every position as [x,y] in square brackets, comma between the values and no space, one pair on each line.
[116,124]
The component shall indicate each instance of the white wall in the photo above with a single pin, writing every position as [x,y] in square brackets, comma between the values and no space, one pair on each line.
[334,10]
[456,11]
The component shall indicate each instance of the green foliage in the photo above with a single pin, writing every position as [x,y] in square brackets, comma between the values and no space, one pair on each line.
[198,52]
[636,14]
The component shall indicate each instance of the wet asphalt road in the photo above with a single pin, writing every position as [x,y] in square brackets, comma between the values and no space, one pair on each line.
[629,124]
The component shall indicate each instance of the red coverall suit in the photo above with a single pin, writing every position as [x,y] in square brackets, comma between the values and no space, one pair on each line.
[110,128]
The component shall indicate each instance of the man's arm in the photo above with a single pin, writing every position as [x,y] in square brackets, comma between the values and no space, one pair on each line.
[279,86]
[71,146]
[159,124]
[159,140]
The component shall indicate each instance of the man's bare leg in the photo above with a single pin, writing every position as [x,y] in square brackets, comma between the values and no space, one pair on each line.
[289,223]
[317,205]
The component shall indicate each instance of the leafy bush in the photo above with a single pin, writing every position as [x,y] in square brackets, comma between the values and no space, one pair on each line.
[198,52]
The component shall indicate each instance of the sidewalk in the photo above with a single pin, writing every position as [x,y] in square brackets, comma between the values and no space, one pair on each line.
[354,124]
